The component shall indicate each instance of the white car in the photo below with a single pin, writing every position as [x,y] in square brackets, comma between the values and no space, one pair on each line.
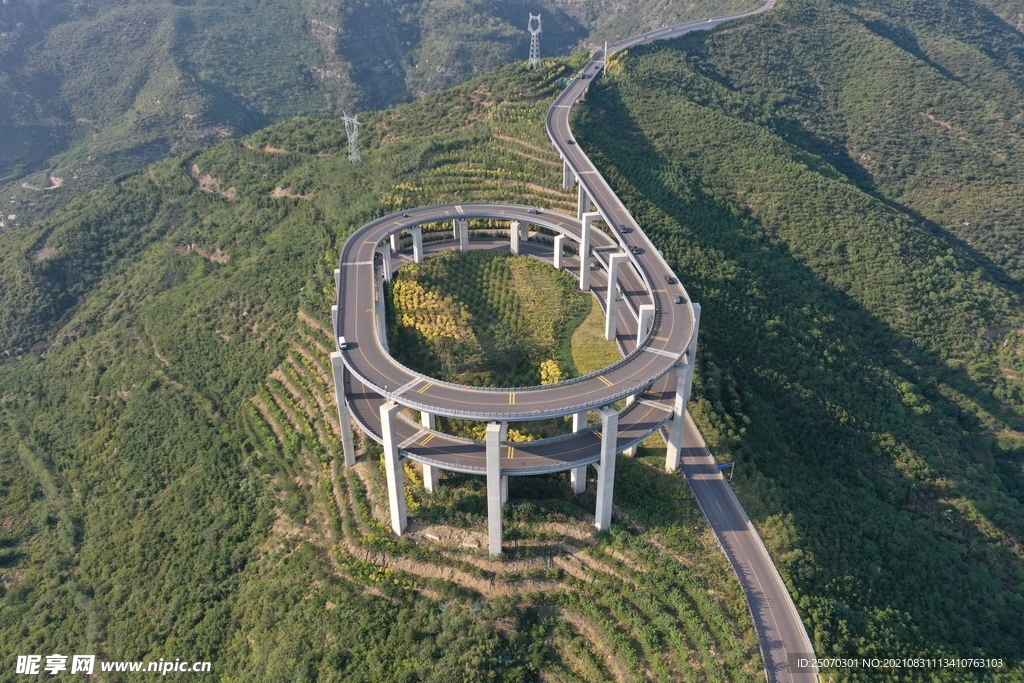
[342,344]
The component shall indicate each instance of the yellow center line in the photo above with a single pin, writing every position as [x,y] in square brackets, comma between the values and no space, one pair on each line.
[597,433]
[512,399]
[604,379]
[511,451]
[426,386]
[660,338]
[427,440]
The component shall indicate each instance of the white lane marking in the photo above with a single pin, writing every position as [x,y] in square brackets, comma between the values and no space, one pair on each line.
[652,404]
[563,106]
[358,263]
[412,439]
[667,354]
[407,386]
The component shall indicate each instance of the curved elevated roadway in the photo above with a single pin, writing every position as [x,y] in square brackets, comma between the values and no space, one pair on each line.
[376,381]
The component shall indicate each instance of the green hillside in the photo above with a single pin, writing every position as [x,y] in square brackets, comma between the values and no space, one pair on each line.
[170,483]
[96,88]
[839,185]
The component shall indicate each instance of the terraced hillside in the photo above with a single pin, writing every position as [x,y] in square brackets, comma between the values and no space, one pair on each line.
[169,451]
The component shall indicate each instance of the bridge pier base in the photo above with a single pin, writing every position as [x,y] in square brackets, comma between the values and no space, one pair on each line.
[417,245]
[344,419]
[559,244]
[611,307]
[606,468]
[393,468]
[568,177]
[493,442]
[461,228]
[684,382]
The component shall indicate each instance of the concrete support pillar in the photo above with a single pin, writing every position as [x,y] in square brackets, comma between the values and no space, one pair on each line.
[684,382]
[428,420]
[393,467]
[578,476]
[493,442]
[582,202]
[559,248]
[503,433]
[568,177]
[646,316]
[334,323]
[606,468]
[514,237]
[417,244]
[344,419]
[630,400]
[386,253]
[612,299]
[461,228]
[504,489]
[431,477]
[337,281]
[588,220]
[396,242]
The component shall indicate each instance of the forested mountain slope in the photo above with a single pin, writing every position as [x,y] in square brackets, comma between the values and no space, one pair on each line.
[171,479]
[839,185]
[93,88]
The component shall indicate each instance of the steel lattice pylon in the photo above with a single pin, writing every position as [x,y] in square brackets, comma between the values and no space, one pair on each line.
[534,41]
[352,130]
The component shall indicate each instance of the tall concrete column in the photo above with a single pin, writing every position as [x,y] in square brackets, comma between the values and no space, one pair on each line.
[578,476]
[386,253]
[684,382]
[417,244]
[461,228]
[504,489]
[513,231]
[646,316]
[431,477]
[606,468]
[493,441]
[335,322]
[559,248]
[393,467]
[428,420]
[396,242]
[337,281]
[344,419]
[582,202]
[630,400]
[588,220]
[611,307]
[568,177]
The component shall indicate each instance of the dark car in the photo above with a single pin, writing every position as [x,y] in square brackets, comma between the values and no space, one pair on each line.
[678,298]
[570,141]
[623,229]
[670,280]
[636,250]
[533,211]
[405,215]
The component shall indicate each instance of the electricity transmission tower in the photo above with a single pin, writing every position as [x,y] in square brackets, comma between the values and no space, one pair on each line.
[534,41]
[352,130]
